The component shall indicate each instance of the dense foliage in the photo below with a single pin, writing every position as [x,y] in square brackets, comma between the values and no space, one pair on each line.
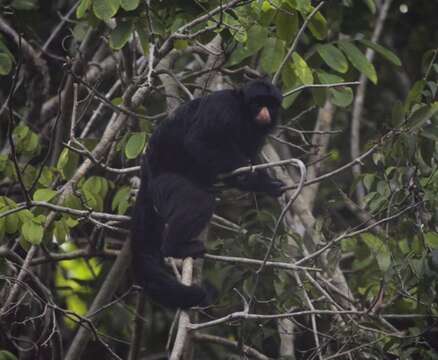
[352,251]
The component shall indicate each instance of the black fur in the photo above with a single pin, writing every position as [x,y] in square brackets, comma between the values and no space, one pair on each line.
[205,137]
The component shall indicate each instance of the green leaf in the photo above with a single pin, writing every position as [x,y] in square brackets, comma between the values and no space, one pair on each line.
[301,69]
[121,34]
[358,60]
[398,114]
[371,5]
[319,96]
[421,115]
[129,5]
[143,36]
[256,38]
[121,200]
[180,44]
[46,177]
[386,53]
[431,239]
[286,22]
[44,194]
[3,162]
[318,26]
[326,78]
[368,181]
[135,145]
[82,8]
[5,64]
[272,55]
[32,143]
[12,223]
[2,229]
[117,101]
[92,200]
[333,57]
[340,96]
[25,215]
[303,6]
[105,9]
[32,232]
[6,355]
[96,185]
[290,81]
[289,77]
[67,163]
[20,132]
[415,94]
[239,54]
[71,222]
[61,231]
[373,242]
[40,219]
[379,249]
[430,132]
[266,6]
[24,4]
[384,261]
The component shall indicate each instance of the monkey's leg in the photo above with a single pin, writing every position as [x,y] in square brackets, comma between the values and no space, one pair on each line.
[185,209]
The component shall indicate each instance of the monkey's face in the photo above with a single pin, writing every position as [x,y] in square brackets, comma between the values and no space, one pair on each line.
[262,101]
[264,111]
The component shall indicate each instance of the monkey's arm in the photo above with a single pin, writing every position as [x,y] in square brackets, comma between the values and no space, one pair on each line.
[258,181]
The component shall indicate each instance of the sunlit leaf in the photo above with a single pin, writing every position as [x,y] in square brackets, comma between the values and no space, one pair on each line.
[135,145]
[81,10]
[44,194]
[129,5]
[60,232]
[121,200]
[105,9]
[301,69]
[67,163]
[32,232]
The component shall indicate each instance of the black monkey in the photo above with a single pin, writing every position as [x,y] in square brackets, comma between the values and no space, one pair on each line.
[203,138]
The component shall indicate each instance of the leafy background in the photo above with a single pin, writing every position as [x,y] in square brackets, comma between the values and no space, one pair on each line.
[84,83]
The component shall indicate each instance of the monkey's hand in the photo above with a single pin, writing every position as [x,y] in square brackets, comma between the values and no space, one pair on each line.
[259,181]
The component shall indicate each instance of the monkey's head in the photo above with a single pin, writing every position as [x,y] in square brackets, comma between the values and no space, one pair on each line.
[263,100]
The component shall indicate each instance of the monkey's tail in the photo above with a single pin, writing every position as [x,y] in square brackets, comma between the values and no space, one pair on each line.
[148,264]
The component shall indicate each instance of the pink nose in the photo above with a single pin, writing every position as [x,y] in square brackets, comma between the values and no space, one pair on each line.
[263,117]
